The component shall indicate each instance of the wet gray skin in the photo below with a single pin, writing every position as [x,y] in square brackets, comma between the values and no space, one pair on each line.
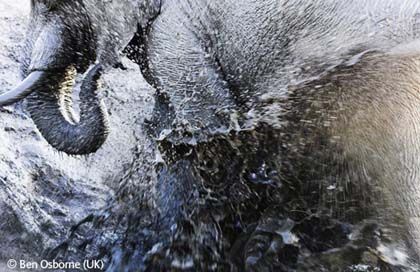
[66,37]
[325,90]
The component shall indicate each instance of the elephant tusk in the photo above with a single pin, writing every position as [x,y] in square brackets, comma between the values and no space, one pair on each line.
[25,88]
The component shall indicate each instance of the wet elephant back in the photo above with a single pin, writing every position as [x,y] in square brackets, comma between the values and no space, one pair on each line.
[209,55]
[265,46]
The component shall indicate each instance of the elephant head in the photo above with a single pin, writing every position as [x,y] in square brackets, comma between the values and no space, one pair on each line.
[65,38]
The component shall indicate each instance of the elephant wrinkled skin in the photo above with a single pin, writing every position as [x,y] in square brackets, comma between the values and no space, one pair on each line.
[256,102]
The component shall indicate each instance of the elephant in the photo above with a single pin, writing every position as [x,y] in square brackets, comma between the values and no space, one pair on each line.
[251,96]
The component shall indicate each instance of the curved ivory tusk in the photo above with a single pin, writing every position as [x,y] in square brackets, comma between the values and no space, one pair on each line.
[25,88]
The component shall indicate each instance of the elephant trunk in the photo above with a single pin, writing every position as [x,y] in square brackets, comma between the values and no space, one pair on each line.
[49,86]
[53,115]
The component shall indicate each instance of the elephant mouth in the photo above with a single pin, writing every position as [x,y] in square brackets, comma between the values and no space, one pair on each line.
[56,54]
[49,101]
[56,50]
